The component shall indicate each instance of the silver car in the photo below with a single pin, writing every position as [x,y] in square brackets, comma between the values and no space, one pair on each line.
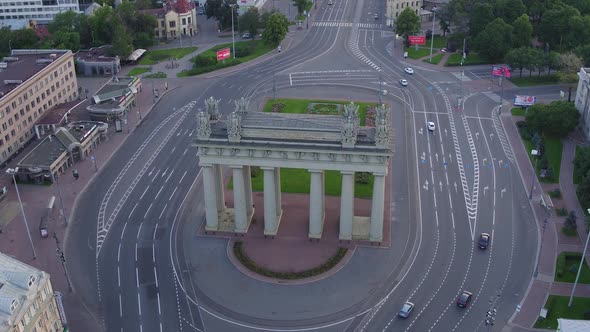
[406,310]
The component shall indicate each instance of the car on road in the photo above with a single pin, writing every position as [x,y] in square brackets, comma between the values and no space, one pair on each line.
[246,35]
[330,2]
[376,16]
[430,125]
[464,299]
[403,82]
[484,241]
[406,310]
[409,70]
[444,50]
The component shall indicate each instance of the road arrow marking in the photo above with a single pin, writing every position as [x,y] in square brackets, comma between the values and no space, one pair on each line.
[445,131]
[484,161]
[436,156]
[502,192]
[455,184]
[450,158]
[477,135]
[423,157]
[440,185]
[485,189]
[425,186]
[500,162]
[420,131]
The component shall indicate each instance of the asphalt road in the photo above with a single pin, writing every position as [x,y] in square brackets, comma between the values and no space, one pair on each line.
[135,260]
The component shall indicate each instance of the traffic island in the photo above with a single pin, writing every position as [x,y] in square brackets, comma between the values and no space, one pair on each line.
[289,269]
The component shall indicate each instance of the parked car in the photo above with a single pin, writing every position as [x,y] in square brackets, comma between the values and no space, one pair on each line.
[201,11]
[403,82]
[444,50]
[376,16]
[406,310]
[464,299]
[246,35]
[484,240]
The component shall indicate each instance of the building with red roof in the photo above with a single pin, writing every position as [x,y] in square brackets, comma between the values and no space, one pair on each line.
[175,19]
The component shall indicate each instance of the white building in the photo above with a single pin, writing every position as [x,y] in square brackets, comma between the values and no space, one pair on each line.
[583,99]
[395,7]
[27,302]
[19,13]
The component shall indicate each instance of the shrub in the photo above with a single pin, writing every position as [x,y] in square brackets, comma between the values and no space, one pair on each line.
[570,221]
[362,177]
[277,107]
[204,60]
[521,124]
[555,193]
[562,212]
[370,116]
[573,268]
[560,266]
[254,171]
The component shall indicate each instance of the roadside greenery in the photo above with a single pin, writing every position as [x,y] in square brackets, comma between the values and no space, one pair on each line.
[535,80]
[417,54]
[241,255]
[581,163]
[472,59]
[436,58]
[154,56]
[138,71]
[558,308]
[156,75]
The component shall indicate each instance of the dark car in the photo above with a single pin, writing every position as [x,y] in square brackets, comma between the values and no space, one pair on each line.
[464,299]
[406,310]
[484,240]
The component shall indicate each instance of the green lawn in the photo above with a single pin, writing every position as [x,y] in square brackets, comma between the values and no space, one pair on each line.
[553,150]
[138,71]
[472,59]
[518,111]
[297,180]
[154,56]
[156,75]
[570,269]
[534,80]
[435,59]
[417,54]
[558,308]
[258,48]
[299,106]
[439,42]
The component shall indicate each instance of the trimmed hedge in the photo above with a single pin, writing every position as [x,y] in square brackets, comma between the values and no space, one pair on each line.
[251,265]
[560,266]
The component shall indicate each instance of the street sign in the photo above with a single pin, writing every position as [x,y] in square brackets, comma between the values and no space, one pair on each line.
[417,40]
[223,54]
[524,101]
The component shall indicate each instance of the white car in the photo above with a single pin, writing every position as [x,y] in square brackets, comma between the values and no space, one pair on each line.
[409,70]
[430,126]
[403,82]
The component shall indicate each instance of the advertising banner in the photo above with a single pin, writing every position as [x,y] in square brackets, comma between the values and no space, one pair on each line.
[223,54]
[524,101]
[417,40]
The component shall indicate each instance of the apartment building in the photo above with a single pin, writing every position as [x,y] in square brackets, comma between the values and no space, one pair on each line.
[18,14]
[395,7]
[27,301]
[31,82]
[175,19]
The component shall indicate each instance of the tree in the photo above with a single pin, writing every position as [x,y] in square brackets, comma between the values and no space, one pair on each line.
[24,38]
[407,22]
[495,40]
[483,14]
[569,64]
[509,10]
[582,159]
[583,190]
[556,24]
[551,60]
[122,42]
[556,119]
[582,5]
[276,29]
[66,40]
[264,18]
[518,58]
[523,31]
[250,22]
[444,20]
[584,53]
[222,11]
[301,5]
[102,23]
[536,62]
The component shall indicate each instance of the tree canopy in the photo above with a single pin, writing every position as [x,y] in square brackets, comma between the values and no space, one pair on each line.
[221,10]
[495,40]
[250,22]
[556,119]
[276,29]
[407,22]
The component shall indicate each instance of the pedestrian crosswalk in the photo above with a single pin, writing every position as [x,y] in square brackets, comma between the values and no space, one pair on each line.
[347,24]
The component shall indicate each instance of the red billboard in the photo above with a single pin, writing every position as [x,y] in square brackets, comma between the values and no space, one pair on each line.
[223,54]
[501,71]
[417,40]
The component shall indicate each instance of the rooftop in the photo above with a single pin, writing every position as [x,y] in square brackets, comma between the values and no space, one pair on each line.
[18,68]
[56,114]
[95,54]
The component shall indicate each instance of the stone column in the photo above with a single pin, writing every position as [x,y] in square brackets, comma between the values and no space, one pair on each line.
[240,211]
[316,204]
[210,198]
[278,190]
[270,204]
[219,191]
[346,205]
[248,188]
[377,207]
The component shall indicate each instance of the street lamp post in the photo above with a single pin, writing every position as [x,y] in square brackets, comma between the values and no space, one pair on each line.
[233,35]
[534,153]
[432,33]
[579,269]
[13,171]
[60,255]
[61,200]
[307,21]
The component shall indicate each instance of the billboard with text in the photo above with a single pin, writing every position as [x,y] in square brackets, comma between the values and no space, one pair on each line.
[417,40]
[525,101]
[223,54]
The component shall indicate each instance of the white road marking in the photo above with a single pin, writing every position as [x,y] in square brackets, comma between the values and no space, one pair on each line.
[139,230]
[130,213]
[155,175]
[185,150]
[119,253]
[290,79]
[145,191]
[159,308]
[120,308]
[156,276]
[137,283]
[158,194]
[135,252]
[173,149]
[191,134]
[182,177]
[123,232]
[173,193]
[139,305]
[148,211]
[162,213]
[164,173]
[169,175]
[118,276]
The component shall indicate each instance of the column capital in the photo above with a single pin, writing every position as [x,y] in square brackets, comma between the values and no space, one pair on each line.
[315,170]
[267,168]
[205,165]
[379,173]
[347,172]
[236,166]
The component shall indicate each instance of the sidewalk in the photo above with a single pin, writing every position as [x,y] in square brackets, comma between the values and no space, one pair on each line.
[13,238]
[553,242]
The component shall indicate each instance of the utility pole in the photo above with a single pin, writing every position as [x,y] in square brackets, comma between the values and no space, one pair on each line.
[60,255]
[579,269]
[460,99]
[432,34]
[233,34]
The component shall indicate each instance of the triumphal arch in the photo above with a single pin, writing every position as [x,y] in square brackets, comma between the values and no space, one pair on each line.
[274,140]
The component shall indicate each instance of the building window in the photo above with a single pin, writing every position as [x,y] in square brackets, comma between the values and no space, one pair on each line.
[31,280]
[172,24]
[184,21]
[7,138]
[10,122]
[4,126]
[189,20]
[162,24]
[14,303]
[13,133]
[22,111]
